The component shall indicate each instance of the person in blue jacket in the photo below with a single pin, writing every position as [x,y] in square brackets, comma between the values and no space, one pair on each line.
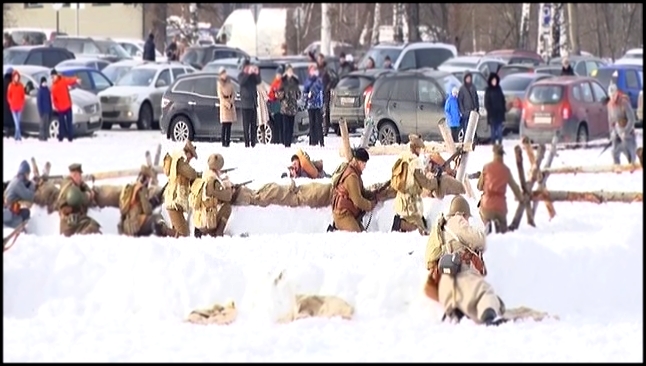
[313,92]
[20,189]
[44,101]
[452,114]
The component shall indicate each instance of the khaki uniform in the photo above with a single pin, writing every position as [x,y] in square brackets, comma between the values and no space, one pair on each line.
[349,199]
[180,175]
[74,220]
[467,291]
[493,182]
[210,200]
[408,203]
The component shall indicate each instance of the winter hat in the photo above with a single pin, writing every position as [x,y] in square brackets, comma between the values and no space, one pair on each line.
[361,154]
[53,72]
[612,89]
[24,168]
[43,80]
[222,70]
[9,71]
[280,69]
[455,91]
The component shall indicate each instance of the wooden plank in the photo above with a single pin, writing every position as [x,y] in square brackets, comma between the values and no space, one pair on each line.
[594,197]
[523,206]
[116,174]
[468,187]
[470,133]
[542,178]
[346,151]
[593,169]
[445,131]
[158,154]
[529,151]
[34,167]
[47,169]
[149,163]
[578,145]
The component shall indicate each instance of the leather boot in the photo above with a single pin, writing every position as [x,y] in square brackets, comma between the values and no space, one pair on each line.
[161,229]
[396,223]
[489,317]
[219,230]
[406,226]
[197,233]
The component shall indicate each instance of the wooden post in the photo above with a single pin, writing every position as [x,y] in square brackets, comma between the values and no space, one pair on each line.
[47,169]
[469,135]
[149,163]
[594,197]
[34,167]
[106,175]
[578,145]
[445,131]
[627,168]
[468,188]
[346,151]
[158,154]
[542,178]
[524,186]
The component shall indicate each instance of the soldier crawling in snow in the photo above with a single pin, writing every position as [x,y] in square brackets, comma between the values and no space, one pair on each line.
[180,176]
[74,200]
[349,198]
[18,196]
[210,199]
[493,182]
[408,179]
[621,118]
[136,207]
[456,268]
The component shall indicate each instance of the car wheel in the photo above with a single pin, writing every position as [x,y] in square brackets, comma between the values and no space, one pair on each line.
[54,128]
[582,134]
[389,134]
[106,126]
[125,126]
[181,129]
[145,120]
[264,134]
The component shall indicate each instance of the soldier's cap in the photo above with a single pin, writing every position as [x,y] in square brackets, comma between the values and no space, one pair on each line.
[415,141]
[190,148]
[361,154]
[498,149]
[147,171]
[215,162]
[75,168]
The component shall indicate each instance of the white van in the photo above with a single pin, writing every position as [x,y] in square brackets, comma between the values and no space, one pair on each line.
[37,36]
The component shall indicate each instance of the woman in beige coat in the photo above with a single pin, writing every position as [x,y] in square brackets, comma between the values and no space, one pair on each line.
[262,109]
[227,94]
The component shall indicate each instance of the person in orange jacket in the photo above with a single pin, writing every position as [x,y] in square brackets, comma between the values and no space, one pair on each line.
[274,107]
[16,100]
[62,103]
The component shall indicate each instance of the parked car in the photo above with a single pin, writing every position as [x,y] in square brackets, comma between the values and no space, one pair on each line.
[515,87]
[190,110]
[633,57]
[92,80]
[554,70]
[36,36]
[460,63]
[574,106]
[349,96]
[479,81]
[517,56]
[94,63]
[197,56]
[267,68]
[337,48]
[35,55]
[135,48]
[86,108]
[136,97]
[514,69]
[116,70]
[582,65]
[331,61]
[411,102]
[629,79]
[410,56]
[106,48]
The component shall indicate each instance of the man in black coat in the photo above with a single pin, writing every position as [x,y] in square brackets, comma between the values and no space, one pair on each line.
[567,69]
[249,79]
[149,49]
[329,79]
[467,100]
[496,106]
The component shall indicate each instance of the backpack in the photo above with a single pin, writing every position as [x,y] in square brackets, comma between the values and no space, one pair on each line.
[125,197]
[399,174]
[195,196]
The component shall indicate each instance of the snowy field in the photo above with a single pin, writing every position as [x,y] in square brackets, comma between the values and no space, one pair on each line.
[116,299]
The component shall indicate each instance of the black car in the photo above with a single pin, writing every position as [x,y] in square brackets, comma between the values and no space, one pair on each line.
[46,56]
[349,96]
[332,61]
[267,68]
[190,110]
[105,49]
[199,56]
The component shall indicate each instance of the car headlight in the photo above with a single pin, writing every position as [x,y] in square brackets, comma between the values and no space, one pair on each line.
[76,109]
[132,99]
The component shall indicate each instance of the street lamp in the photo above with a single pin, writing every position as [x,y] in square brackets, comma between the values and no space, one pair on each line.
[57,7]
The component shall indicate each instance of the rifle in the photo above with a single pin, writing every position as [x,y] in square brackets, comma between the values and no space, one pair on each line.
[199,174]
[236,190]
[439,169]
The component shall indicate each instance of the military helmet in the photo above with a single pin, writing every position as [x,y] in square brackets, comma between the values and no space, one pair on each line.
[74,196]
[190,148]
[215,162]
[415,141]
[459,205]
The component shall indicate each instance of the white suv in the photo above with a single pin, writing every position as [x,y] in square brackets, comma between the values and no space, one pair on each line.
[411,56]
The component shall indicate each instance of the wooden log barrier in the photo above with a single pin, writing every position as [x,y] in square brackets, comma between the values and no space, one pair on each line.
[525,186]
[624,168]
[346,151]
[578,145]
[594,197]
[542,178]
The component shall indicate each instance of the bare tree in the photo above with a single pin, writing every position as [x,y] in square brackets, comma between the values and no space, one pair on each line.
[7,20]
[376,21]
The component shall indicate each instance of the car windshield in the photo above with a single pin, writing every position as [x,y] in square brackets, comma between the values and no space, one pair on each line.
[194,56]
[513,83]
[545,94]
[137,77]
[112,48]
[14,57]
[604,76]
[115,72]
[379,54]
[461,64]
[449,81]
[29,37]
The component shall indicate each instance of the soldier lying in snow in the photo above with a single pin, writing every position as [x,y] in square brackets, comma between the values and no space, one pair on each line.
[303,167]
[18,196]
[74,200]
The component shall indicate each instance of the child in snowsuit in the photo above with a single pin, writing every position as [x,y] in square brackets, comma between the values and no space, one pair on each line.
[313,91]
[452,113]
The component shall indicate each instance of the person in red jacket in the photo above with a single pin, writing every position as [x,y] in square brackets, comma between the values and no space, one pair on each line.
[16,100]
[276,118]
[62,103]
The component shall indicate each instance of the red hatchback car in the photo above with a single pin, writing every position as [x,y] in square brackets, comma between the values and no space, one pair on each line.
[574,106]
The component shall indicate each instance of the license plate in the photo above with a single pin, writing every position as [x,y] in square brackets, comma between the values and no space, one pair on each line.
[347,100]
[542,119]
[95,119]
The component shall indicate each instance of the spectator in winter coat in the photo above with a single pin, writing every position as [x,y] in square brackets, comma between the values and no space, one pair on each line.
[496,108]
[249,78]
[44,102]
[467,99]
[172,51]
[275,118]
[621,120]
[567,69]
[289,94]
[20,190]
[8,41]
[345,66]
[329,80]
[149,48]
[313,90]
[452,113]
[370,63]
[227,93]
[62,103]
[6,80]
[16,99]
